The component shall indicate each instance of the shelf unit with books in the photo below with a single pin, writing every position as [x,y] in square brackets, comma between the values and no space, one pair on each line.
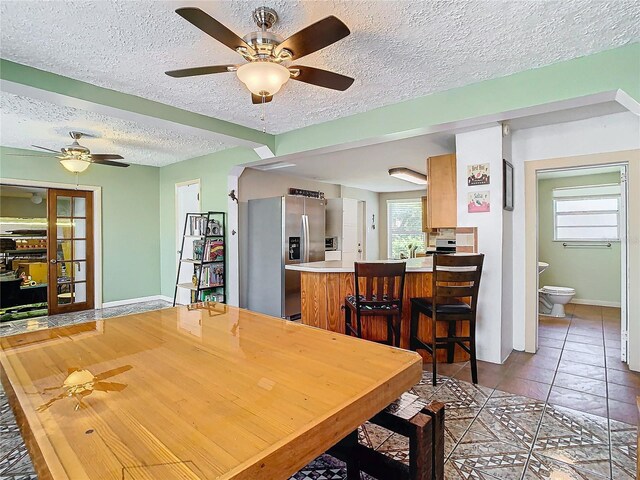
[209,262]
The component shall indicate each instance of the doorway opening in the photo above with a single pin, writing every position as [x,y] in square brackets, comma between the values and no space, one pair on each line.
[582,264]
[46,251]
[187,201]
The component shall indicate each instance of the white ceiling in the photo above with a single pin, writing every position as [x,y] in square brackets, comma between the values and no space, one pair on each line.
[27,121]
[397,50]
[367,167]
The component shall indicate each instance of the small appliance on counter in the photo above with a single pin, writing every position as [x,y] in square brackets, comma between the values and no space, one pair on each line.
[445,245]
[330,244]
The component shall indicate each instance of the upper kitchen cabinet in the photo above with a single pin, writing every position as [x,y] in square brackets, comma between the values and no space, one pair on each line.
[440,206]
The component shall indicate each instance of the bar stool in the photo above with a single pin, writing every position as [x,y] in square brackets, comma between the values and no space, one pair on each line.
[387,281]
[455,283]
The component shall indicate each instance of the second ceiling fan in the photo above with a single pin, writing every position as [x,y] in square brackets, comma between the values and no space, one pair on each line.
[268,54]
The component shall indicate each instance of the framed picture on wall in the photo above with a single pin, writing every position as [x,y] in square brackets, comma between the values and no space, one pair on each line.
[507,175]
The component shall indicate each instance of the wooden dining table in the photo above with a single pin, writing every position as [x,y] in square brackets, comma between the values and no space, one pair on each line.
[201,392]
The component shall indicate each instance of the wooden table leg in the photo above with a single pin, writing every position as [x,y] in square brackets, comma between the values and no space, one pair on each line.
[436,411]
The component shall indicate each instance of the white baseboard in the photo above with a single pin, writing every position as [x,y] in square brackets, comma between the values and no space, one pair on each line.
[129,301]
[597,303]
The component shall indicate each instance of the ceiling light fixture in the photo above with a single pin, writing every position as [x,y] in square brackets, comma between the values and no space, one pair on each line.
[263,79]
[36,199]
[274,166]
[408,175]
[75,164]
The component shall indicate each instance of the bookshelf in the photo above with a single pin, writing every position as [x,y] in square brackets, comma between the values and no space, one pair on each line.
[206,231]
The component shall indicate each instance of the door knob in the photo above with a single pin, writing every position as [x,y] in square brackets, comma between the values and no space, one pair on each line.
[53,261]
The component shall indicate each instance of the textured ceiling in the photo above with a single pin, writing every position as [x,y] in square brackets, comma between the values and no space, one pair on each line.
[26,122]
[397,50]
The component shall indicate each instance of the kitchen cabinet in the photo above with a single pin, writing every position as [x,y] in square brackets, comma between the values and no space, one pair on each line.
[342,222]
[440,206]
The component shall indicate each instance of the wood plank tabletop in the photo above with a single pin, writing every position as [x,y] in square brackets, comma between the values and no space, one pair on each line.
[213,392]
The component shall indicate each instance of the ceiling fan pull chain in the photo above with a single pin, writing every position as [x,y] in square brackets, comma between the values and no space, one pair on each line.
[264,114]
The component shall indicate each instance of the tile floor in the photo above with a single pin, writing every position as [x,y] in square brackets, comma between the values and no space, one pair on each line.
[515,425]
[577,366]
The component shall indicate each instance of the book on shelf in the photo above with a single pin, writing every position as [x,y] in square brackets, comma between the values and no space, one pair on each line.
[198,248]
[212,275]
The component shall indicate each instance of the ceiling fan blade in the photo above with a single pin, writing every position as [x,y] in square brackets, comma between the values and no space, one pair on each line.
[109,163]
[322,78]
[314,37]
[213,28]
[257,99]
[47,149]
[192,72]
[106,156]
[113,372]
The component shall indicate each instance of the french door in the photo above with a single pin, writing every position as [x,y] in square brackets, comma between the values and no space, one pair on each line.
[70,250]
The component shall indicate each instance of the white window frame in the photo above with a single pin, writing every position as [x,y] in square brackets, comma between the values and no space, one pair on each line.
[389,203]
[555,199]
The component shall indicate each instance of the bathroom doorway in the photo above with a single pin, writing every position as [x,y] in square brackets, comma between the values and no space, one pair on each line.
[582,263]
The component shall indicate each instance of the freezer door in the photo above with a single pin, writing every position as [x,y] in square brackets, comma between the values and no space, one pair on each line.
[265,268]
[293,250]
[314,209]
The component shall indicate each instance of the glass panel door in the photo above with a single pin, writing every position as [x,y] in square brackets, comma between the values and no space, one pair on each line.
[70,251]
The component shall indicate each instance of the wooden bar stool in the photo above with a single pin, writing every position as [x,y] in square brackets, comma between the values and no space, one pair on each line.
[384,288]
[456,279]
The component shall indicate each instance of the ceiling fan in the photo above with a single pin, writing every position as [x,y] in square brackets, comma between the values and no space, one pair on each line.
[77,158]
[268,55]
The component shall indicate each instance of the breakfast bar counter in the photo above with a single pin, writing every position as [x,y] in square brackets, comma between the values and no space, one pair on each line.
[324,286]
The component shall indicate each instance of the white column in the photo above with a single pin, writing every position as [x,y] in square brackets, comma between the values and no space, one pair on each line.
[477,147]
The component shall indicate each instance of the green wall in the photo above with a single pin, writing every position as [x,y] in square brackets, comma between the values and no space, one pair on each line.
[577,267]
[130,226]
[212,170]
[610,70]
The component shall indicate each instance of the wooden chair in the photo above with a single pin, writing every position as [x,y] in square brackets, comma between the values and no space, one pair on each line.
[384,288]
[456,279]
[422,423]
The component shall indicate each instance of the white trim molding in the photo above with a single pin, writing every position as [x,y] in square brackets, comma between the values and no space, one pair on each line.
[595,303]
[130,301]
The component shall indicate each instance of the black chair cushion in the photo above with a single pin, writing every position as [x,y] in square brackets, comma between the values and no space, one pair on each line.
[426,306]
[351,299]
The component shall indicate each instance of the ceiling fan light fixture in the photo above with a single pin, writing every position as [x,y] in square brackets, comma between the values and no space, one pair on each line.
[75,165]
[263,78]
[408,175]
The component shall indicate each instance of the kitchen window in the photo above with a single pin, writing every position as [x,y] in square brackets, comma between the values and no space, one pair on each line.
[404,227]
[588,213]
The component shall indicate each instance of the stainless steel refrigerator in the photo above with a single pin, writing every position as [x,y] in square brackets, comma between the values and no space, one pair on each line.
[281,231]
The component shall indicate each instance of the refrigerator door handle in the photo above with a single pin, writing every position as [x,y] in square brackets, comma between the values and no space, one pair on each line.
[304,241]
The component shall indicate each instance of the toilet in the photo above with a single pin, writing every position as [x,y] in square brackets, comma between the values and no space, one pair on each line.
[553,299]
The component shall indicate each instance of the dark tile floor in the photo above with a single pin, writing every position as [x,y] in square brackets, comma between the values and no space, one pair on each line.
[553,415]
[577,366]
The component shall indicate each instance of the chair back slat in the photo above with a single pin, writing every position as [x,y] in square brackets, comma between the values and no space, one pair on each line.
[369,288]
[380,291]
[455,291]
[380,280]
[456,278]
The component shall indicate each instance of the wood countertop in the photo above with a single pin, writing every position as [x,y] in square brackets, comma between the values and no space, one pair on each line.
[213,392]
